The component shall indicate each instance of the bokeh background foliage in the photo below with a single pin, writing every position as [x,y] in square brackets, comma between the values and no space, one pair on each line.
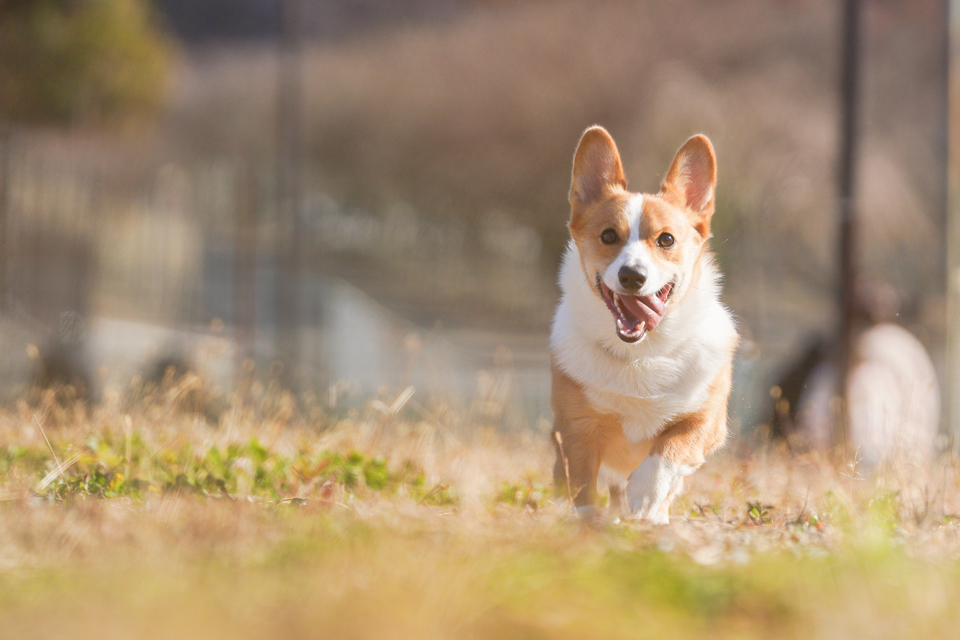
[81,61]
[433,143]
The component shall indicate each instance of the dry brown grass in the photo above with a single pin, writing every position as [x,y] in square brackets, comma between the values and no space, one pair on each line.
[763,544]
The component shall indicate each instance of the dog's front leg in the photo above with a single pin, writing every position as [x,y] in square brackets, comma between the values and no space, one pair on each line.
[577,467]
[653,485]
[675,454]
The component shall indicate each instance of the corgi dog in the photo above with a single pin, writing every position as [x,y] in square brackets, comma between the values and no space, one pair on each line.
[641,346]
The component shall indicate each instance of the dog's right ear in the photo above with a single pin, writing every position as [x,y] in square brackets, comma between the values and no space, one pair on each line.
[596,167]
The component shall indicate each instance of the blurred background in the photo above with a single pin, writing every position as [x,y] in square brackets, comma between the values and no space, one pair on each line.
[373,192]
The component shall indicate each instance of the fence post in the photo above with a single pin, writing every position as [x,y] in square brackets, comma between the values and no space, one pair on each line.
[846,178]
[952,391]
[5,164]
[245,264]
[290,151]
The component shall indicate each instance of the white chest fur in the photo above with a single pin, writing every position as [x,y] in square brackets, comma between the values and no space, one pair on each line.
[652,382]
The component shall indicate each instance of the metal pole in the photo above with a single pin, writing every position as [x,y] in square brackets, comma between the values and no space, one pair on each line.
[6,162]
[846,179]
[952,391]
[290,147]
[245,266]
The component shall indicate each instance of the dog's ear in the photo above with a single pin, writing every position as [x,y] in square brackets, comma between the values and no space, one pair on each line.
[596,167]
[691,181]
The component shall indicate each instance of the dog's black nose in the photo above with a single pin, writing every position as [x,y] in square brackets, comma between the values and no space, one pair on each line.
[632,279]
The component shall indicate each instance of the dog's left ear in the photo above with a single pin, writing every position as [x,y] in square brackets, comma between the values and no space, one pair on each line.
[691,180]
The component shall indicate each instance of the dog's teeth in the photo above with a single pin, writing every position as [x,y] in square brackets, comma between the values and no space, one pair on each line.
[620,310]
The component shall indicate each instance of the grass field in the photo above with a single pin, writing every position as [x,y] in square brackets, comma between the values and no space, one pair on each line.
[399,521]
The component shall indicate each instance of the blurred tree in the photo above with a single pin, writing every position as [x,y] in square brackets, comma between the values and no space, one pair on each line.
[81,61]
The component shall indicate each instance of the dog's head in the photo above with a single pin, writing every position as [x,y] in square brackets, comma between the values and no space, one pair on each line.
[641,252]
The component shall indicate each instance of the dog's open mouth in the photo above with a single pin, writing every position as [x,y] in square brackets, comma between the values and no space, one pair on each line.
[635,315]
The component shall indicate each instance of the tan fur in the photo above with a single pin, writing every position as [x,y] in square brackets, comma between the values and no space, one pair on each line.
[587,438]
[690,439]
[591,222]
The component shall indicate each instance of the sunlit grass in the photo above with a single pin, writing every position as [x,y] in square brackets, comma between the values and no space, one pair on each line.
[144,520]
[105,468]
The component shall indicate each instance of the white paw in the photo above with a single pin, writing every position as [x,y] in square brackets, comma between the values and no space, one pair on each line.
[657,517]
[653,517]
[648,486]
[586,513]
[651,484]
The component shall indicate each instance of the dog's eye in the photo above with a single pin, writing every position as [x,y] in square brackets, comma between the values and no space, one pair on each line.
[609,236]
[665,240]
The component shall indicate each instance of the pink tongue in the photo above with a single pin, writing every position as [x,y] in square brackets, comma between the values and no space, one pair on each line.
[647,309]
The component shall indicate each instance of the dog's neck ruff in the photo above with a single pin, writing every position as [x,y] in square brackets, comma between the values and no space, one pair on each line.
[651,382]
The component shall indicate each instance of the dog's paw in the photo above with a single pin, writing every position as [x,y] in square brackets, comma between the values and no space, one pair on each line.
[648,487]
[589,513]
[652,486]
[657,517]
[584,513]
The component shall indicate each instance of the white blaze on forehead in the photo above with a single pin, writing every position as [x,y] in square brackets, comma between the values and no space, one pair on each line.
[634,213]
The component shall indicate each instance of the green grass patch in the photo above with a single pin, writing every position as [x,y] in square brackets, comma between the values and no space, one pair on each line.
[105,466]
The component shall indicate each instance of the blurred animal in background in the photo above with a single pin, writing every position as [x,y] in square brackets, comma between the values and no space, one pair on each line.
[641,346]
[893,399]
